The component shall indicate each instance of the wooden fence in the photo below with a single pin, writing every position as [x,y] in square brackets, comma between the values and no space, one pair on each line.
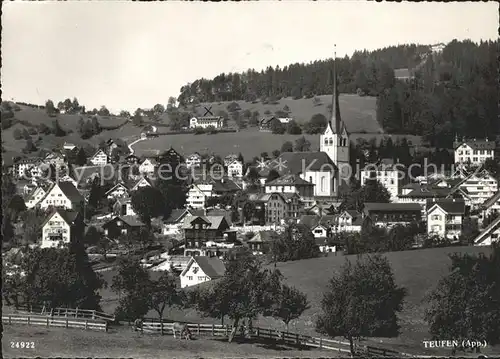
[69,312]
[48,322]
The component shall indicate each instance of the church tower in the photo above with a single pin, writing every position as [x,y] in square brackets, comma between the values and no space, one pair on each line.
[335,140]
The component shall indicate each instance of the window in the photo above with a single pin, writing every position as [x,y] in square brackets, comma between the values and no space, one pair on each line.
[190,278]
[475,152]
[436,217]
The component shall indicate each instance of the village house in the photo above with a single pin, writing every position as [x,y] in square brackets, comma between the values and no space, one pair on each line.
[68,178]
[148,166]
[403,74]
[60,227]
[55,159]
[198,230]
[489,235]
[260,242]
[292,183]
[200,270]
[235,169]
[206,121]
[229,159]
[119,190]
[474,152]
[349,221]
[123,207]
[320,226]
[122,225]
[193,160]
[34,198]
[85,175]
[62,195]
[266,123]
[490,207]
[172,225]
[198,194]
[23,165]
[275,208]
[142,182]
[68,146]
[480,187]
[445,217]
[388,214]
[387,173]
[224,186]
[100,158]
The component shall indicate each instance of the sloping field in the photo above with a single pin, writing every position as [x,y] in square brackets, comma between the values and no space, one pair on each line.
[419,271]
[358,112]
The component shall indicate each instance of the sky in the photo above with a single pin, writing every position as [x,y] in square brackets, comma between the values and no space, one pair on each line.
[127,55]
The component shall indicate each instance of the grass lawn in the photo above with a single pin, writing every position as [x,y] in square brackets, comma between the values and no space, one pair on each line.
[122,342]
[419,271]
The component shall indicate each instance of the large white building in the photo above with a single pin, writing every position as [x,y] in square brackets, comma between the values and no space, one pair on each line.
[100,158]
[473,151]
[206,121]
[57,228]
[198,194]
[62,195]
[235,169]
[480,187]
[388,174]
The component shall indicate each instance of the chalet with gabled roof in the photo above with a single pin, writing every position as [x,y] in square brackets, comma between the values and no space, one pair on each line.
[61,227]
[200,270]
[62,195]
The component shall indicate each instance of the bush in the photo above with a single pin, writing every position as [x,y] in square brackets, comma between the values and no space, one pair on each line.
[199,130]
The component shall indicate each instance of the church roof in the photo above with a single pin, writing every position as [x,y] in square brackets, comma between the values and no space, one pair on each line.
[299,162]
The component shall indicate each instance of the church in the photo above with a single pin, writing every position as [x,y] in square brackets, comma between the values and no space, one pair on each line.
[329,167]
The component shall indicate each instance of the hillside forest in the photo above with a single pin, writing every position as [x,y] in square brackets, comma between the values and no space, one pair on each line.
[452,92]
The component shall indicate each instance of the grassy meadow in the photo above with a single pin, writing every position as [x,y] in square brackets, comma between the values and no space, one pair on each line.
[122,342]
[419,271]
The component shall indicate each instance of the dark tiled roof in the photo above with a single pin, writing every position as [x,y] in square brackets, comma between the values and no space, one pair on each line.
[312,221]
[371,206]
[212,267]
[68,216]
[288,180]
[491,201]
[225,185]
[428,192]
[220,212]
[493,226]
[450,206]
[298,162]
[70,191]
[175,216]
[132,221]
[476,145]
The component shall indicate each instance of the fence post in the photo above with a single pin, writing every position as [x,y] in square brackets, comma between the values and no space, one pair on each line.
[297,338]
[198,329]
[28,319]
[67,324]
[213,330]
[258,332]
[106,327]
[93,314]
[10,319]
[225,330]
[86,324]
[76,312]
[161,326]
[58,311]
[320,343]
[142,328]
[47,322]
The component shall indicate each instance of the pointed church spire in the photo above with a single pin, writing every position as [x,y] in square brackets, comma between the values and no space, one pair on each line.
[335,121]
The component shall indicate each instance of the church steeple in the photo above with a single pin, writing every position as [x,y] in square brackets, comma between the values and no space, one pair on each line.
[335,121]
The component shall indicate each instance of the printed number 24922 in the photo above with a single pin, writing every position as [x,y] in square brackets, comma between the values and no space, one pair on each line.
[22,345]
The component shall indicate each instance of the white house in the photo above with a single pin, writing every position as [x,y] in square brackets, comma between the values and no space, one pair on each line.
[148,166]
[349,221]
[473,151]
[143,182]
[230,158]
[480,187]
[206,121]
[235,169]
[119,190]
[25,164]
[320,226]
[35,197]
[489,235]
[193,160]
[100,158]
[69,146]
[62,195]
[198,194]
[444,218]
[57,228]
[387,174]
[200,270]
[56,159]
